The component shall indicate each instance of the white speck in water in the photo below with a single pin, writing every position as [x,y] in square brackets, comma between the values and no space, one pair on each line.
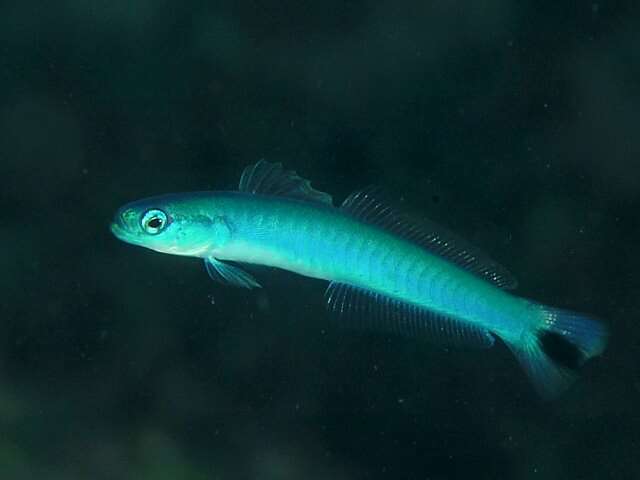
[212,299]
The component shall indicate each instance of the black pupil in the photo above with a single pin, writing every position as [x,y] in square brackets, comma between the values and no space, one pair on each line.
[155,222]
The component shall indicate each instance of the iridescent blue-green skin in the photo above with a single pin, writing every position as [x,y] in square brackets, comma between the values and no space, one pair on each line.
[321,241]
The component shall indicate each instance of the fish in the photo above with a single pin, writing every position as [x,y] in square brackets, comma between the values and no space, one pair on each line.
[388,271]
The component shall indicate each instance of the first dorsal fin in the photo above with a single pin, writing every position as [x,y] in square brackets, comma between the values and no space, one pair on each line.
[370,206]
[272,179]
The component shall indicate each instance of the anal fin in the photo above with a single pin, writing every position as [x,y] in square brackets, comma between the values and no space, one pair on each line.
[363,309]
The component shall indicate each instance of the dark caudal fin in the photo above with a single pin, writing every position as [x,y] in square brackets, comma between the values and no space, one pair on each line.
[555,352]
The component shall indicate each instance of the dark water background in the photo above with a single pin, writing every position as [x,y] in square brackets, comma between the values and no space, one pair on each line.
[514,123]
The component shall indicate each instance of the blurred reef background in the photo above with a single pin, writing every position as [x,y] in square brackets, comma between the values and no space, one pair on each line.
[513,123]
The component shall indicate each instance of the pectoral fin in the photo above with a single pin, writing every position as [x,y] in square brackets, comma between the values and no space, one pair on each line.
[229,274]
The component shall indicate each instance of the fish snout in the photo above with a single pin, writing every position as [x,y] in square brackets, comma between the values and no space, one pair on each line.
[124,223]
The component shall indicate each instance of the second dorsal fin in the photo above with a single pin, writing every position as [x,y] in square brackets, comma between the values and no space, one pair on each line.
[272,179]
[371,206]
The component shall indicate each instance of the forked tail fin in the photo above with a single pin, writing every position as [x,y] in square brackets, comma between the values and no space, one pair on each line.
[553,354]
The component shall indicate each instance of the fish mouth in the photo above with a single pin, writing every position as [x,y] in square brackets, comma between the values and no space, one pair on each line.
[123,234]
[118,231]
[119,227]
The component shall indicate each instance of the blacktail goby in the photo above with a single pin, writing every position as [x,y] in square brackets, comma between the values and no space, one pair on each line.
[386,271]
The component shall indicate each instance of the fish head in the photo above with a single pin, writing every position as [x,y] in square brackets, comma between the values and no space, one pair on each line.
[168,224]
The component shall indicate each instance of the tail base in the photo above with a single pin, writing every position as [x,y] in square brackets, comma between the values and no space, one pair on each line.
[554,352]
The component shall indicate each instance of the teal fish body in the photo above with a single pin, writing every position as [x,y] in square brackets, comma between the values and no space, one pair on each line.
[386,272]
[322,242]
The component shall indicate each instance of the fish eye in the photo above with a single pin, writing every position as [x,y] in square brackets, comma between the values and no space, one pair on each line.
[153,221]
